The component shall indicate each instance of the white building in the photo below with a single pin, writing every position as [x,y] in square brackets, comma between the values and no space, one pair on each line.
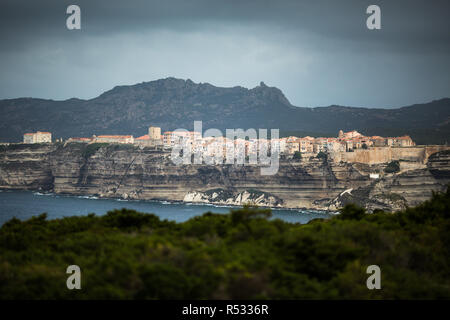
[37,137]
[114,139]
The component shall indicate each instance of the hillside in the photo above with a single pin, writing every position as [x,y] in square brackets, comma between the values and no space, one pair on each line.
[174,103]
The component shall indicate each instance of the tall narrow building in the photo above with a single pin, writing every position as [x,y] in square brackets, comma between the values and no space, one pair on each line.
[154,133]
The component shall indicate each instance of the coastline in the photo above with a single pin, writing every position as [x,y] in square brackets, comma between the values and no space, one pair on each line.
[147,175]
[167,201]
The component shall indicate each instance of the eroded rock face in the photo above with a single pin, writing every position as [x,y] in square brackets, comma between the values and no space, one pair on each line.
[125,171]
[228,197]
[26,167]
[371,198]
[397,191]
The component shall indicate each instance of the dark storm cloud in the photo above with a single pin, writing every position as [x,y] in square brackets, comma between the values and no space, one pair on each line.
[318,52]
[406,21]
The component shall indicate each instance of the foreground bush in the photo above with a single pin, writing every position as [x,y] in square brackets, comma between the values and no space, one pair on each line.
[243,255]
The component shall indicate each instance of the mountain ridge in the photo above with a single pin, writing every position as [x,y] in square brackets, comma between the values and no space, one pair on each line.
[176,103]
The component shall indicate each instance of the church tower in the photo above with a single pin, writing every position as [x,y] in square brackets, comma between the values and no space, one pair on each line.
[154,133]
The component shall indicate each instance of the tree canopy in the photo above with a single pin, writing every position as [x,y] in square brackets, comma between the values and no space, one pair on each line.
[242,255]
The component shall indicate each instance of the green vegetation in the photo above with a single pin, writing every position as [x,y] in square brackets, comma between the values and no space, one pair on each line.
[392,167]
[297,155]
[322,155]
[129,255]
[92,148]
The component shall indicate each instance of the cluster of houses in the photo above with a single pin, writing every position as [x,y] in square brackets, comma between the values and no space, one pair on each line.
[345,142]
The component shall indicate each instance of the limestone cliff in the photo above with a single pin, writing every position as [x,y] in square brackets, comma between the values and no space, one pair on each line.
[126,171]
[228,197]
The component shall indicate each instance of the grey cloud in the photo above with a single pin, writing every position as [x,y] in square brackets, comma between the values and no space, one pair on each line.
[318,52]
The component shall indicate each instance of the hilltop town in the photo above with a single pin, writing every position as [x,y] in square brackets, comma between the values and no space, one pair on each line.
[321,173]
[349,146]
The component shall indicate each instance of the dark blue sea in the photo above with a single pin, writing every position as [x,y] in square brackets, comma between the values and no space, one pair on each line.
[25,204]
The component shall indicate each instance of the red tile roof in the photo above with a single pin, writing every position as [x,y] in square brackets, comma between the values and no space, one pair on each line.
[115,137]
[82,139]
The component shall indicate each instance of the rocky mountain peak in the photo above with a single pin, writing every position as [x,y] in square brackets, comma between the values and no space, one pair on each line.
[176,103]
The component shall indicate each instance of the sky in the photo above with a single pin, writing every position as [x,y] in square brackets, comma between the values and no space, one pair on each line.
[318,52]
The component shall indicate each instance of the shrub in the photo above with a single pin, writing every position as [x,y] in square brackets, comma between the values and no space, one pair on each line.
[92,148]
[242,255]
[392,167]
[297,155]
[322,155]
[352,212]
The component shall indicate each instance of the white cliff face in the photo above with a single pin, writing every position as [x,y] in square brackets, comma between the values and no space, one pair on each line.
[238,199]
[195,196]
[126,172]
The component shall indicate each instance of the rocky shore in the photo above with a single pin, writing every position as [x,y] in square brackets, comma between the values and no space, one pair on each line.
[129,172]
